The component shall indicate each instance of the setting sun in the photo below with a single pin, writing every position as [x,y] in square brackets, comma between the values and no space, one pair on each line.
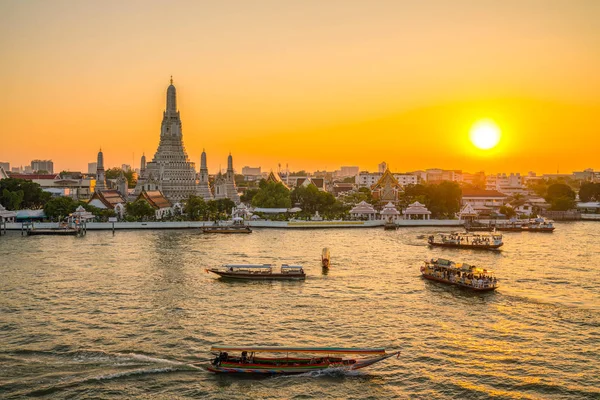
[485,134]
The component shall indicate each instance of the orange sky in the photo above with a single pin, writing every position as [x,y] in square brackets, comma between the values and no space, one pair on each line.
[315,84]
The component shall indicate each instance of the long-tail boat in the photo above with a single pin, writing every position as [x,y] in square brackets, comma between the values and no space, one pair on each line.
[461,240]
[325,258]
[291,360]
[260,272]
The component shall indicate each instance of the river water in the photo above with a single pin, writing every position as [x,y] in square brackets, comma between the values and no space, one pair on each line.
[132,315]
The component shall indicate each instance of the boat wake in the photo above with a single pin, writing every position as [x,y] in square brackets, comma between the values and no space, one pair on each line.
[324,373]
[77,368]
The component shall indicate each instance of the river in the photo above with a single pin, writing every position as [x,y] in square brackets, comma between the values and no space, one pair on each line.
[134,314]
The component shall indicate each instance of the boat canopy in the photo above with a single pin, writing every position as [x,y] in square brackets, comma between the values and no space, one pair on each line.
[277,349]
[247,266]
[285,266]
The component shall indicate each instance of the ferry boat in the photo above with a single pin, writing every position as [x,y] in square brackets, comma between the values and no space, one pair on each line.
[264,272]
[459,274]
[236,227]
[485,241]
[291,360]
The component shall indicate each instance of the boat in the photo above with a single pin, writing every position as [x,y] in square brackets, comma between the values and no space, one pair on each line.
[54,231]
[485,241]
[325,258]
[459,274]
[236,227]
[260,272]
[477,226]
[291,360]
[540,224]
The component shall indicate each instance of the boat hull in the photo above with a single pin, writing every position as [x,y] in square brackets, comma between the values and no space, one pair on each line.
[226,230]
[56,232]
[259,277]
[467,246]
[461,285]
[270,369]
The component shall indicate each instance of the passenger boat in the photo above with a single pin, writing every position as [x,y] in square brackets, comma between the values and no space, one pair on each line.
[485,241]
[291,360]
[236,227]
[390,226]
[476,226]
[325,258]
[540,225]
[264,272]
[459,274]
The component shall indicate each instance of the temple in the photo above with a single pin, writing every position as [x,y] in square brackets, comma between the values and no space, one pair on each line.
[170,171]
[225,184]
[203,183]
[100,177]
[387,189]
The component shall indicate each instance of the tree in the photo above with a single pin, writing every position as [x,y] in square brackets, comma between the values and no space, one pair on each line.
[563,203]
[140,210]
[114,173]
[443,200]
[558,190]
[508,211]
[60,207]
[272,195]
[249,195]
[33,195]
[589,192]
[12,200]
[310,199]
[195,208]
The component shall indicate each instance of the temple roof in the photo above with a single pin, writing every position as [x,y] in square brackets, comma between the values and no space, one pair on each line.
[468,211]
[110,198]
[387,179]
[274,177]
[417,208]
[390,209]
[155,198]
[363,208]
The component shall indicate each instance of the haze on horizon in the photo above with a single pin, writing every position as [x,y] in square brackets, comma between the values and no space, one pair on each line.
[312,84]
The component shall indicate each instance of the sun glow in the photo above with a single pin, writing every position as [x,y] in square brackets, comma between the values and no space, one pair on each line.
[485,134]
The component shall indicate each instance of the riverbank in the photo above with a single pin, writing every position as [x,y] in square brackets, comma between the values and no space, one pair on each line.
[17,226]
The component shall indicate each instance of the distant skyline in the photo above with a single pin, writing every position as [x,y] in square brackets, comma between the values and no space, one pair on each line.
[312,84]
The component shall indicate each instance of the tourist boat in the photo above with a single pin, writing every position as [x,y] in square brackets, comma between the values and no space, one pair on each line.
[467,240]
[236,227]
[540,225]
[291,360]
[264,272]
[325,258]
[459,274]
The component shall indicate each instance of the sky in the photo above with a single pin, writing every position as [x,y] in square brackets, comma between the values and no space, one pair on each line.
[310,84]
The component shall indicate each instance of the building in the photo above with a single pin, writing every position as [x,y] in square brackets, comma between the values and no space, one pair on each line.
[387,188]
[171,171]
[478,178]
[108,199]
[484,202]
[92,167]
[77,187]
[585,175]
[42,165]
[506,184]
[348,171]
[251,174]
[203,179]
[436,175]
[126,167]
[100,176]
[5,166]
[368,179]
[225,184]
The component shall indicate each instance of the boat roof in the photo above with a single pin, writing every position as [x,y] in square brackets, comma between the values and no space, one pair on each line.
[291,266]
[247,265]
[278,349]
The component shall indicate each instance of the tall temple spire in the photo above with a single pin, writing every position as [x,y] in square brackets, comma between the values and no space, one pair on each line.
[229,163]
[171,98]
[203,160]
[100,177]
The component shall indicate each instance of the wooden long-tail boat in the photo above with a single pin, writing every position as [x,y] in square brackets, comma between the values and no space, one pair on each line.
[302,359]
[325,258]
[259,272]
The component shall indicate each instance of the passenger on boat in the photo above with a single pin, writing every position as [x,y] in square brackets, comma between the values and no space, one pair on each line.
[244,358]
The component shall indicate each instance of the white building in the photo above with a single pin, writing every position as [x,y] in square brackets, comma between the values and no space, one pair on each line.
[506,184]
[368,179]
[251,174]
[92,167]
[483,201]
[347,171]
